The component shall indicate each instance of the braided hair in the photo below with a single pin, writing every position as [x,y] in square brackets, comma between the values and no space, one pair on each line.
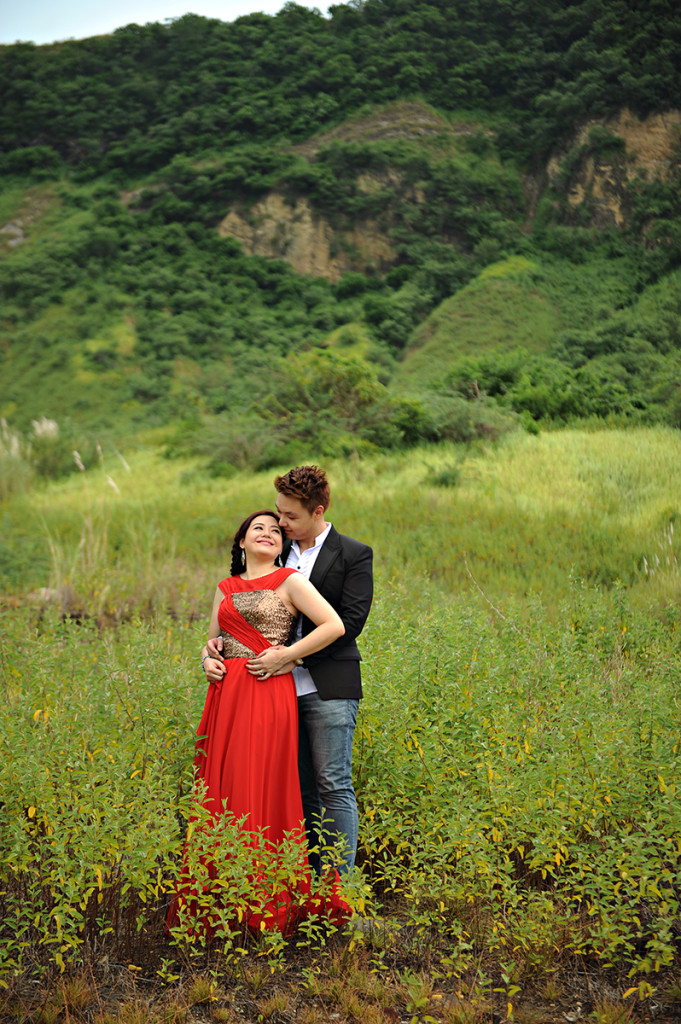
[237,550]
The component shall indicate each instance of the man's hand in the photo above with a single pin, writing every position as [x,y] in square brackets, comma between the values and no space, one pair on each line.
[214,647]
[214,669]
[212,663]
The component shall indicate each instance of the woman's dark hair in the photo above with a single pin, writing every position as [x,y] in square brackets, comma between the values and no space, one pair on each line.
[237,564]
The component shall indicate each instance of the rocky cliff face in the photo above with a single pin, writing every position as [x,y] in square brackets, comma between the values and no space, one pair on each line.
[280,228]
[599,170]
[603,177]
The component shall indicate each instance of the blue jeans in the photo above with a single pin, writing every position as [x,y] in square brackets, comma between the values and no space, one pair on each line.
[325,732]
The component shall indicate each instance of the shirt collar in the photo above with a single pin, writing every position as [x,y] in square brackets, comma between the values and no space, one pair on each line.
[318,541]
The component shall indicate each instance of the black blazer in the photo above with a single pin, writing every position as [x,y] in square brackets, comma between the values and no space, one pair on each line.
[343,574]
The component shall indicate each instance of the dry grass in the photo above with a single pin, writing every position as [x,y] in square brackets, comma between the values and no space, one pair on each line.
[349,980]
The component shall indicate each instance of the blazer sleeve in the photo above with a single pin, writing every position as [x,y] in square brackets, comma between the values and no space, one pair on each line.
[356,595]
[348,587]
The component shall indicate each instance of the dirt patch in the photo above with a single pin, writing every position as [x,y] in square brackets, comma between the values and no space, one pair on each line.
[407,120]
[34,203]
[384,971]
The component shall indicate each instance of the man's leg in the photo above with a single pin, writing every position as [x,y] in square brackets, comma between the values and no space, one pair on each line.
[327,728]
[312,805]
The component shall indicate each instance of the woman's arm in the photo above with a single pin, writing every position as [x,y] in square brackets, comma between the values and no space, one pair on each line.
[213,666]
[306,600]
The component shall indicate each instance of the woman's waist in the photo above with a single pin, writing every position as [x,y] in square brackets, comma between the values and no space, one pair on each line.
[233,650]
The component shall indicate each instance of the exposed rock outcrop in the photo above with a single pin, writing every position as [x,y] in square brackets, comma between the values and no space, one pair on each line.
[649,151]
[14,232]
[282,227]
[600,168]
[279,228]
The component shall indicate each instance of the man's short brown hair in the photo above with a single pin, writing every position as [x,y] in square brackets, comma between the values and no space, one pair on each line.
[306,483]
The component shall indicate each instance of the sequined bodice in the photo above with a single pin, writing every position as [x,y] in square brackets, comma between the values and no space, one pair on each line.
[266,612]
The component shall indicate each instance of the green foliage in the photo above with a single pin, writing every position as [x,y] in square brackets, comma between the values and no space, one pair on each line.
[541,766]
[506,336]
[332,402]
[35,162]
[132,99]
[523,802]
[115,347]
[123,307]
[493,312]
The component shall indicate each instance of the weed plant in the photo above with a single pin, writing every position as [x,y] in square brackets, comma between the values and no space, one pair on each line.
[526,794]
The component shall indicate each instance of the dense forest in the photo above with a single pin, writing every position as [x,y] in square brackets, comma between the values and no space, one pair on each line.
[450,129]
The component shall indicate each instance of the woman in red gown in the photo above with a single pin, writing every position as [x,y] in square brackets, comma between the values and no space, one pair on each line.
[249,841]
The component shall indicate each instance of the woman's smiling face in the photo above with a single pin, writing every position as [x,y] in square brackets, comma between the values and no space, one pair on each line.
[264,535]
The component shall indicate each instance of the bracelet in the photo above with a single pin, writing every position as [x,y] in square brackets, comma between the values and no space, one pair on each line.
[203,659]
[299,661]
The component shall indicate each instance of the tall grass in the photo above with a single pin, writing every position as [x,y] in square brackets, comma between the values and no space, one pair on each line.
[15,469]
[521,517]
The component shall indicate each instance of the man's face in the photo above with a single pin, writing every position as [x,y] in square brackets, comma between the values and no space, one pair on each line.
[295,520]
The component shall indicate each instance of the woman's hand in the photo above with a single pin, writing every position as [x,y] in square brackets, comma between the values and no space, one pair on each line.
[275,661]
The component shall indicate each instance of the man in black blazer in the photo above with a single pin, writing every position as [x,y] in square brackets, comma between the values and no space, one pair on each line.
[328,683]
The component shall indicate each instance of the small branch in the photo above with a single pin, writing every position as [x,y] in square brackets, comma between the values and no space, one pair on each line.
[494,608]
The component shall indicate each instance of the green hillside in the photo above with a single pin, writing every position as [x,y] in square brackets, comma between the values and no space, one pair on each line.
[503,308]
[204,225]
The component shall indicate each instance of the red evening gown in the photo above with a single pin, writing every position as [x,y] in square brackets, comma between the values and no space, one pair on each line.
[246,764]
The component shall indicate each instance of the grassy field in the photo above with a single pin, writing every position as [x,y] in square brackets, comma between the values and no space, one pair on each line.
[517,758]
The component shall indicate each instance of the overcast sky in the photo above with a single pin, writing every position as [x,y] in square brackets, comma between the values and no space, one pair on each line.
[47,21]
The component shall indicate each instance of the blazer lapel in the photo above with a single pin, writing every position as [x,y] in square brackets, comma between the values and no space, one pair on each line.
[326,557]
[285,550]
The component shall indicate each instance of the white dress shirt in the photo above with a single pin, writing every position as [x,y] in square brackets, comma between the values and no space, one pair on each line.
[304,561]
